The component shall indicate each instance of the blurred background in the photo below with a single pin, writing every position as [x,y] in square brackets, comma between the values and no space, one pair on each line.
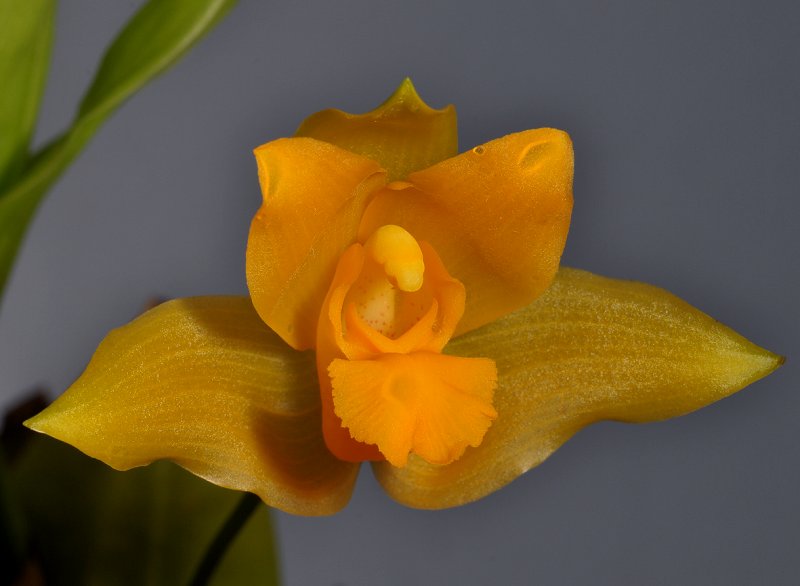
[685,121]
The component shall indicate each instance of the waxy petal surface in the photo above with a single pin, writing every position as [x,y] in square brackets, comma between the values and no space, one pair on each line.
[203,382]
[497,215]
[403,134]
[314,196]
[589,349]
[433,404]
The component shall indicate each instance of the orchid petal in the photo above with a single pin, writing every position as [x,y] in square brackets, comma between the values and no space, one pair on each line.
[497,215]
[433,404]
[204,383]
[589,349]
[403,134]
[314,196]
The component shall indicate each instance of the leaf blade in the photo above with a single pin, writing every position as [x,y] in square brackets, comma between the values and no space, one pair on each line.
[192,20]
[26,37]
[152,525]
[156,37]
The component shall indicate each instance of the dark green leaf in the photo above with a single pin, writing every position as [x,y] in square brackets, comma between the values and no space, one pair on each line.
[26,34]
[93,525]
[154,39]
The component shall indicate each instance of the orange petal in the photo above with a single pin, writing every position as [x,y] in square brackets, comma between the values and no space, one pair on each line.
[430,404]
[589,349]
[403,134]
[431,329]
[205,383]
[314,196]
[497,216]
[361,342]
[329,347]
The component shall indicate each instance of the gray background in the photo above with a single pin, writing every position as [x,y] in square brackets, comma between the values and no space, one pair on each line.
[685,120]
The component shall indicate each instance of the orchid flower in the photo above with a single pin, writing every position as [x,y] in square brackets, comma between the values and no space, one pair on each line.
[406,308]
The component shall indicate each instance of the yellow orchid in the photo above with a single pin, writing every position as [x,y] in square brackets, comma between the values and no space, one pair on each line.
[406,308]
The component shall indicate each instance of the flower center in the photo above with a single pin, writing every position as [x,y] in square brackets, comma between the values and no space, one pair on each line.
[388,295]
[399,254]
[387,390]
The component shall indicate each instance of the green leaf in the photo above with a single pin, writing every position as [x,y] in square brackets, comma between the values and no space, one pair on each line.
[26,35]
[93,525]
[155,38]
